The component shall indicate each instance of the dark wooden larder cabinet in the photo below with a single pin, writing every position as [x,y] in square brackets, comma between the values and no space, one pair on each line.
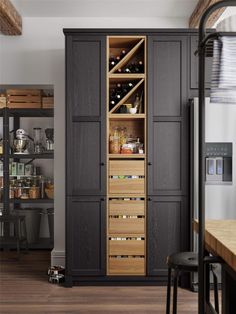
[149,189]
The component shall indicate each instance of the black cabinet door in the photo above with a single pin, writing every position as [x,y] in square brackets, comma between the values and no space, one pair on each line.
[86,110]
[194,64]
[86,237]
[167,233]
[167,115]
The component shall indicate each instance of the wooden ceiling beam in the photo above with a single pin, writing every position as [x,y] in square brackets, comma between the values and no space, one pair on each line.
[10,19]
[200,8]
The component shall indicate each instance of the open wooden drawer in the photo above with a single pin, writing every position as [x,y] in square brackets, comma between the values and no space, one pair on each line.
[126,247]
[126,226]
[126,207]
[126,266]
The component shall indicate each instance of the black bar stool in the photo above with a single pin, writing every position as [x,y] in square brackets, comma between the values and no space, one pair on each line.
[19,231]
[186,262]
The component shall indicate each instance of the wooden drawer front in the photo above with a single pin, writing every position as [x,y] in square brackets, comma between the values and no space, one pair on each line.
[126,225]
[126,266]
[120,207]
[126,168]
[126,186]
[126,247]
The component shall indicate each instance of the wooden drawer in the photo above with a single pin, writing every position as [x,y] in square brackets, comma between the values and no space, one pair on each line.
[123,207]
[126,226]
[126,266]
[126,247]
[126,186]
[126,168]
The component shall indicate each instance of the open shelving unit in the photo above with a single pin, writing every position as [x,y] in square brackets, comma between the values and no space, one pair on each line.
[126,174]
[10,204]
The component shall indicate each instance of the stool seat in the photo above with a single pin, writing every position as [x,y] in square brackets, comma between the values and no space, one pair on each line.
[185,261]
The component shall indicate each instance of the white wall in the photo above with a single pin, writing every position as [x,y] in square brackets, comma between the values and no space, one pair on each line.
[37,57]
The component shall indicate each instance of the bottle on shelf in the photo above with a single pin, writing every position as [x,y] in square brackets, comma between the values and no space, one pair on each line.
[122,54]
[112,62]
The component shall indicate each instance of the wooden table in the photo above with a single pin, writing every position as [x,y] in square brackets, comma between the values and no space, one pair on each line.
[220,240]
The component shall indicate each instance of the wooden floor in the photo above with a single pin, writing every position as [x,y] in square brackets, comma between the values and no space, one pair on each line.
[24,289]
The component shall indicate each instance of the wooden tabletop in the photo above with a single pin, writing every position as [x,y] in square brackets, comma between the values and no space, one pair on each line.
[220,239]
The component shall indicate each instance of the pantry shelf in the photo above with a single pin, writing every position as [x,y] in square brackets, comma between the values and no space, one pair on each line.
[126,156]
[126,76]
[119,116]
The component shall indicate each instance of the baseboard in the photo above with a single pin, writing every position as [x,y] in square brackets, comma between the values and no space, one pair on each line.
[57,258]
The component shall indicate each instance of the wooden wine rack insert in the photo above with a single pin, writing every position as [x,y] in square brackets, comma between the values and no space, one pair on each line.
[126,175]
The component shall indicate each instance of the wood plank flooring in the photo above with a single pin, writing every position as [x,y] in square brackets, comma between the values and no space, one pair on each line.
[24,289]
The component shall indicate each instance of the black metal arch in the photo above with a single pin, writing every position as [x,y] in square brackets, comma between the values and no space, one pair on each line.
[203,38]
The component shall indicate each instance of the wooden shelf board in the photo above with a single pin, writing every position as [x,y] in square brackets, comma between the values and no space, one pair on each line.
[128,76]
[126,196]
[126,235]
[29,112]
[44,201]
[126,156]
[128,116]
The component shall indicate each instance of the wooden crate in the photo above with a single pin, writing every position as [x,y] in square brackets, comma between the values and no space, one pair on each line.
[126,247]
[126,266]
[47,102]
[126,226]
[3,101]
[126,186]
[124,167]
[24,98]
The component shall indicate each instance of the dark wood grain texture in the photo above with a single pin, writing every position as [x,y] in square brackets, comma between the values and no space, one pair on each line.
[86,246]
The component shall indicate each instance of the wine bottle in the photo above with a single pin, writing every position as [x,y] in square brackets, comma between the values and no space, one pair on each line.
[141,67]
[123,53]
[118,94]
[117,59]
[112,62]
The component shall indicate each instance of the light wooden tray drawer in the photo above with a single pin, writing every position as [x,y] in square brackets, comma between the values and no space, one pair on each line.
[126,168]
[130,207]
[126,266]
[126,226]
[126,247]
[126,186]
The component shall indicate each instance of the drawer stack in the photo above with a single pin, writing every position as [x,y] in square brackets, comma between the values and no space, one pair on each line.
[126,218]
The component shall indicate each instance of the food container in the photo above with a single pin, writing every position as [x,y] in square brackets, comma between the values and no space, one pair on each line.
[34,192]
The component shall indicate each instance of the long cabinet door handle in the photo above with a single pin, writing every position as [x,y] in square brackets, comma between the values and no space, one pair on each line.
[102,164]
[149,163]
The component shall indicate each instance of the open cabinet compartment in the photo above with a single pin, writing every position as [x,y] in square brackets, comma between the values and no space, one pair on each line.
[126,176]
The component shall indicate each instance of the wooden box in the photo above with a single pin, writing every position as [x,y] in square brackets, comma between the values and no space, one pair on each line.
[126,266]
[24,98]
[126,226]
[126,186]
[3,101]
[126,247]
[126,167]
[129,207]
[47,102]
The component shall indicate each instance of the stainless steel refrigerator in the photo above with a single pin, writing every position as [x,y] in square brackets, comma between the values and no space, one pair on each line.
[220,188]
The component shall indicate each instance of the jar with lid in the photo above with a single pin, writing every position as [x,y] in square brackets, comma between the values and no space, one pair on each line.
[34,192]
[114,142]
[12,189]
[19,189]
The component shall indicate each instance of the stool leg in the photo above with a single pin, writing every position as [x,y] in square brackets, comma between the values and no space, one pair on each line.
[215,282]
[168,295]
[176,277]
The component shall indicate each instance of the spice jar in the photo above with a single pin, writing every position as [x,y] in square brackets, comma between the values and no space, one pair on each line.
[34,192]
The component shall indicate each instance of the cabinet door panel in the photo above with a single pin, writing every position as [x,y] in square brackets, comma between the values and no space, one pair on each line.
[167,115]
[85,174]
[166,170]
[167,78]
[86,236]
[86,76]
[166,231]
